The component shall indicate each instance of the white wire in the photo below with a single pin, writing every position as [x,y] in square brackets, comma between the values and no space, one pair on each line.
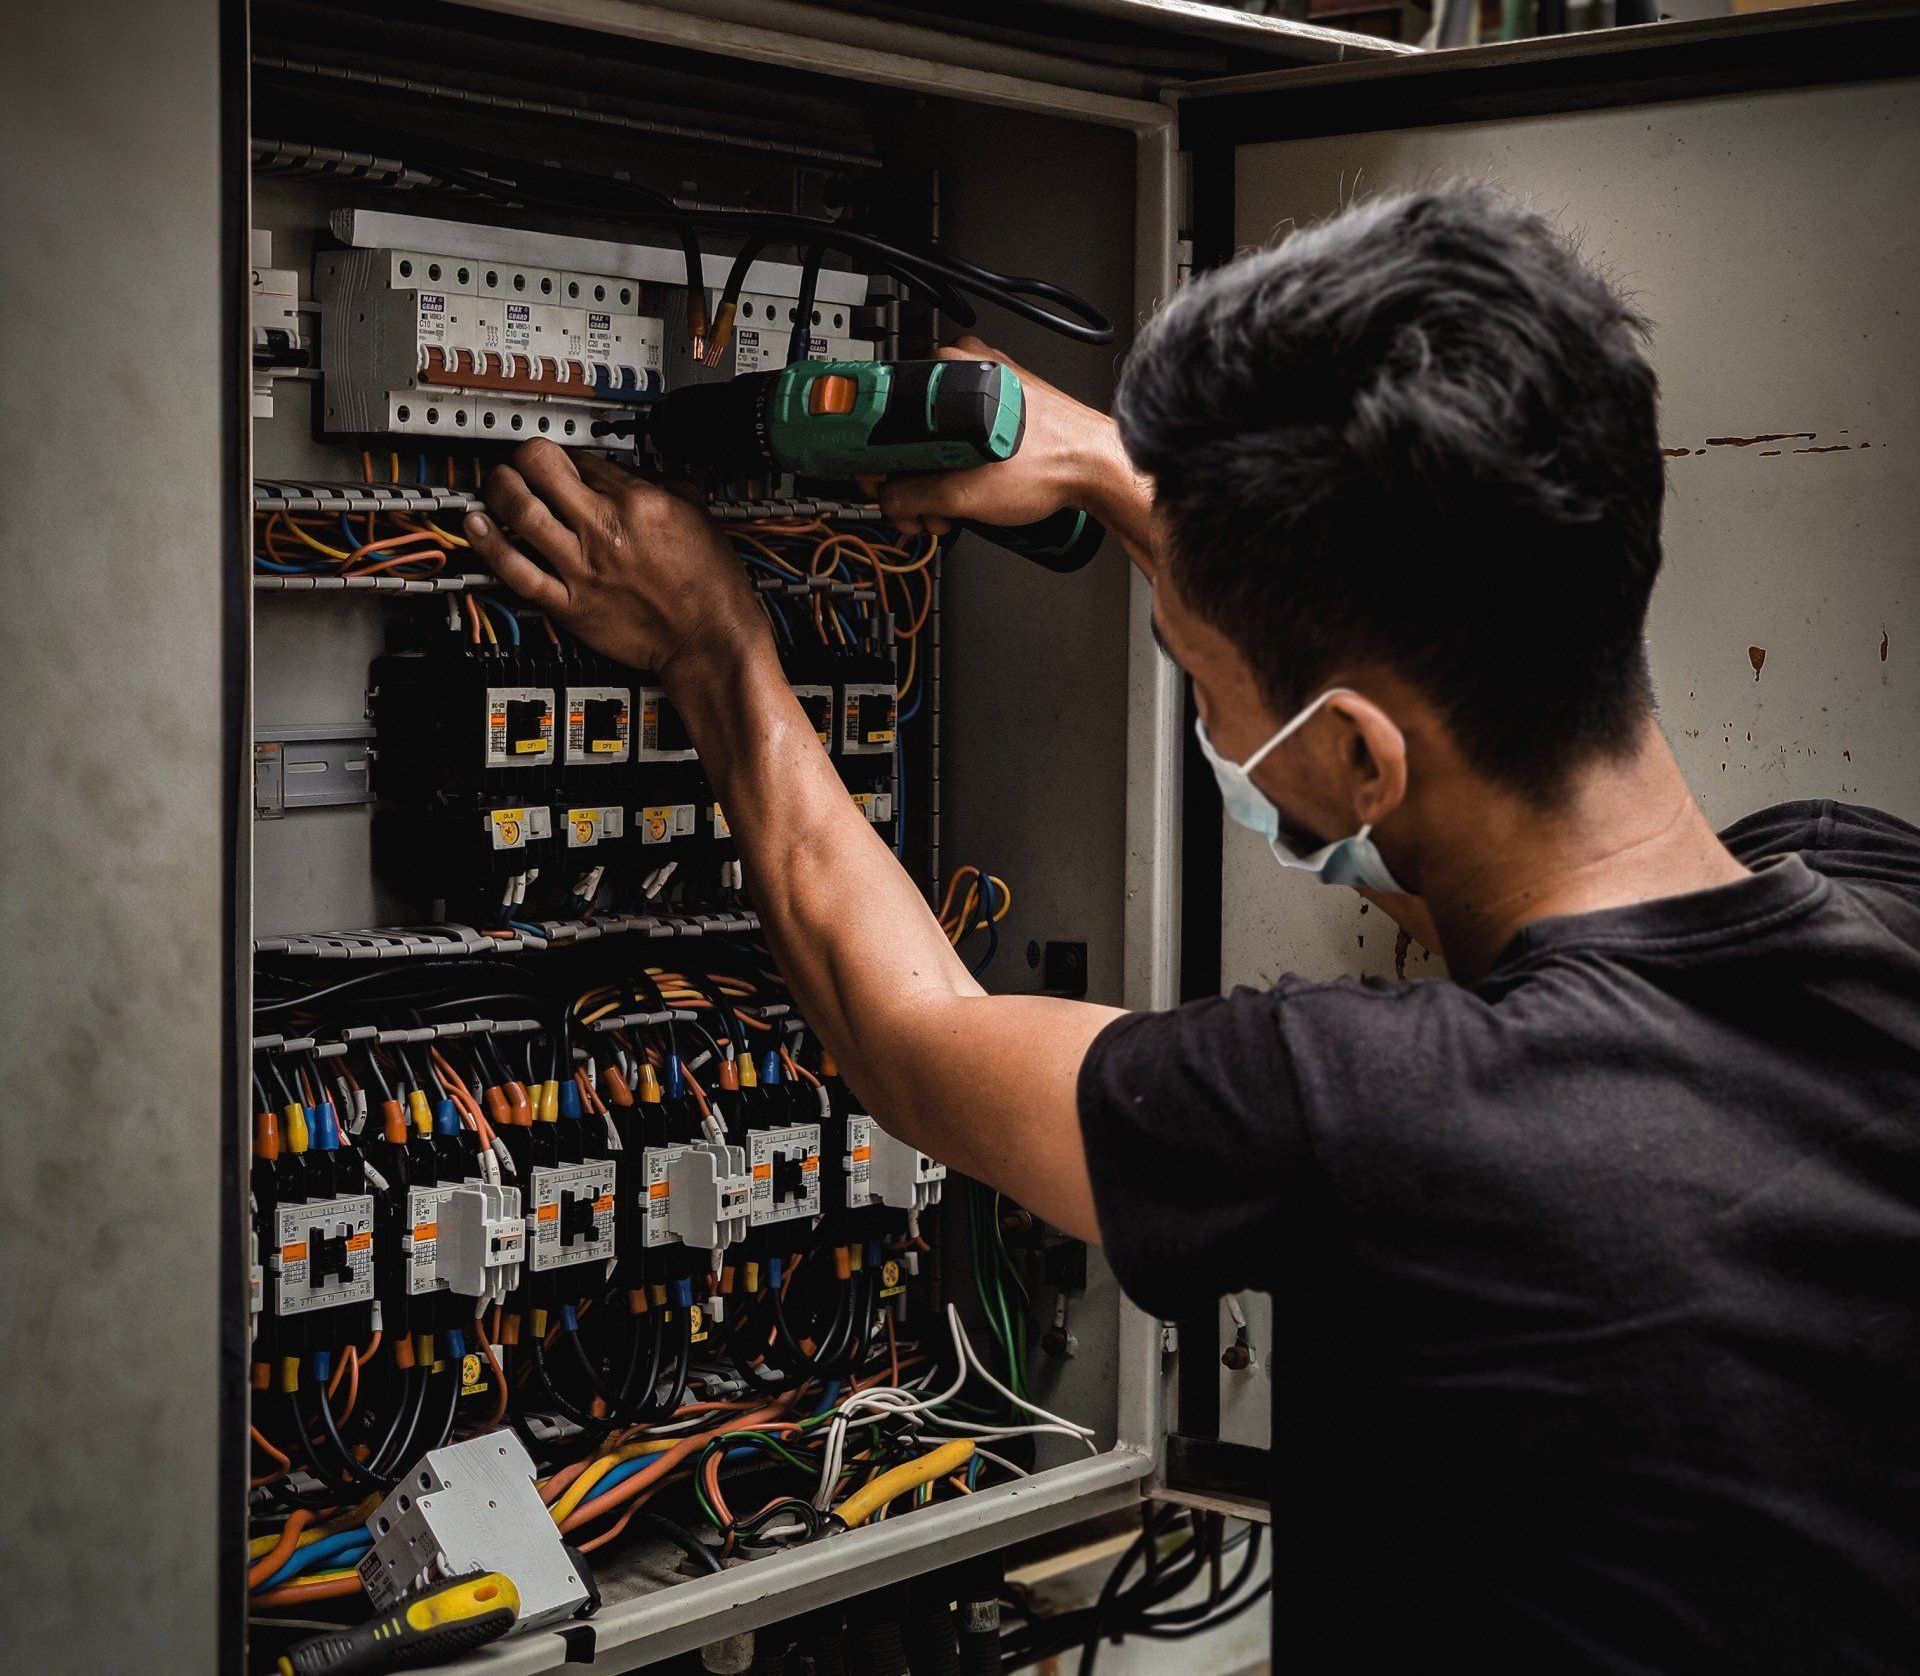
[1002,1462]
[965,1346]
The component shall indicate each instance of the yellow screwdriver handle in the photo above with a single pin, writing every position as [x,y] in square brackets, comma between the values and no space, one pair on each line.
[438,1623]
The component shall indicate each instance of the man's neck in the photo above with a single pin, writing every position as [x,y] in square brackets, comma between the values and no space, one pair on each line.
[1630,832]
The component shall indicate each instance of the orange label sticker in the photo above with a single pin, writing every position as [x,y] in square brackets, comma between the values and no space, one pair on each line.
[809,1165]
[762,1171]
[425,1230]
[295,1253]
[657,1190]
[603,1204]
[362,1241]
[547,1213]
[862,1153]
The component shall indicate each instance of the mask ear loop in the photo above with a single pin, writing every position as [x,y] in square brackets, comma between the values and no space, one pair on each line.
[1294,726]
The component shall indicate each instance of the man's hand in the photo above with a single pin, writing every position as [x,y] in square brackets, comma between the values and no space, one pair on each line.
[635,572]
[1070,455]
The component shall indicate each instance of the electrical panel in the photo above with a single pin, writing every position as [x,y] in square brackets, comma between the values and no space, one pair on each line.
[544,1151]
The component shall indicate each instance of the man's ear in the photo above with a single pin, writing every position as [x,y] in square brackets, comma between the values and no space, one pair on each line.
[1375,757]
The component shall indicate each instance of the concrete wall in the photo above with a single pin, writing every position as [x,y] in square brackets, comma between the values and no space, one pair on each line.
[111,911]
[1772,239]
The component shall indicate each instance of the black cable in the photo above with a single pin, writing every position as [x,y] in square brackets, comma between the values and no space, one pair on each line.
[797,339]
[681,1538]
[378,1483]
[400,1438]
[939,272]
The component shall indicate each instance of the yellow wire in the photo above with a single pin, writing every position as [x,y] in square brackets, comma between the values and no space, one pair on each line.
[577,1490]
[897,1481]
[317,545]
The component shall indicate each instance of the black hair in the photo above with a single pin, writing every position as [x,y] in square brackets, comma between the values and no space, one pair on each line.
[1420,435]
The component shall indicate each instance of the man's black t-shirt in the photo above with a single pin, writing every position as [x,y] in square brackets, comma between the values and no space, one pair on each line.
[1596,1286]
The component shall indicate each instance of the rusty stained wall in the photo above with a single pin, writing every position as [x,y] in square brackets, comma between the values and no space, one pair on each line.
[1773,240]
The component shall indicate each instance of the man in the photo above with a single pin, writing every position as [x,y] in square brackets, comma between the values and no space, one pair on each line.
[1595,1270]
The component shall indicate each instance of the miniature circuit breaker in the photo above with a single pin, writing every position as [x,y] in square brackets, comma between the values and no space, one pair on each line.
[459,349]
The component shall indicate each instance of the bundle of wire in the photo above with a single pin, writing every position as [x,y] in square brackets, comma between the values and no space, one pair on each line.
[798,1407]
[945,278]
[1175,1550]
[983,901]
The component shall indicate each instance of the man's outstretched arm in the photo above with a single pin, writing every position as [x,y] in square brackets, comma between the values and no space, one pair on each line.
[985,1083]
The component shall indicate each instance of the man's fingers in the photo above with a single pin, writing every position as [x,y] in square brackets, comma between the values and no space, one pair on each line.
[550,472]
[513,567]
[603,475]
[929,500]
[529,517]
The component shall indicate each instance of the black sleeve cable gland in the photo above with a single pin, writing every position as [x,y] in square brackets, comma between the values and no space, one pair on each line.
[977,1586]
[878,1634]
[823,1640]
[933,1647]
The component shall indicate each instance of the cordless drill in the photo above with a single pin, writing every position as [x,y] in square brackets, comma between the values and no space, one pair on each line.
[841,419]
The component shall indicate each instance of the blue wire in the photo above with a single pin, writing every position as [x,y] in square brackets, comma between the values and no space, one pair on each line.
[503,613]
[423,466]
[327,1551]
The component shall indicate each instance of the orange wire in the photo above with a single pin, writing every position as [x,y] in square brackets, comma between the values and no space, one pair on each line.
[499,1374]
[276,1556]
[293,1594]
[658,1468]
[284,1468]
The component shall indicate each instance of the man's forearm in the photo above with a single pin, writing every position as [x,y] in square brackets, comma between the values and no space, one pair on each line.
[843,919]
[985,1083]
[1116,494]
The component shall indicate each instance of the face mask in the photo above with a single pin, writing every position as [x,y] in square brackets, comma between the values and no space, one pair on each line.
[1346,861]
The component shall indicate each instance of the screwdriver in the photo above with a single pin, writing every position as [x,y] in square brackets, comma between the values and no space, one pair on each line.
[438,1623]
[843,419]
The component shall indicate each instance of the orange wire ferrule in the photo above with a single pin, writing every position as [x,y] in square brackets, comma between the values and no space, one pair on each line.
[402,1351]
[617,1086]
[729,1075]
[393,1121]
[266,1134]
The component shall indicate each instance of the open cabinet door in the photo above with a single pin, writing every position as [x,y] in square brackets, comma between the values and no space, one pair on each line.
[1754,189]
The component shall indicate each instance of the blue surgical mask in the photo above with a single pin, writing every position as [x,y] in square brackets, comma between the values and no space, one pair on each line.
[1346,861]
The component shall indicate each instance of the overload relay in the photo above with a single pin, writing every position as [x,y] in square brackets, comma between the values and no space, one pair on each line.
[526,777]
